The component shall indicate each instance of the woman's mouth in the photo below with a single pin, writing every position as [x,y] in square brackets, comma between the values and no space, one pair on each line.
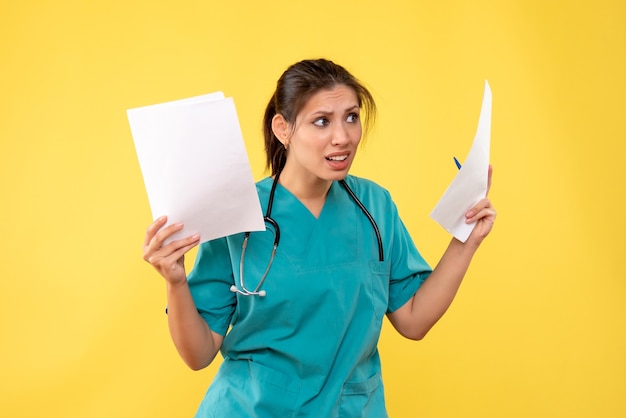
[337,158]
[338,161]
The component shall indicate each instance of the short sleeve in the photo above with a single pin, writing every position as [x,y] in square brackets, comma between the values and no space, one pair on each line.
[408,267]
[210,281]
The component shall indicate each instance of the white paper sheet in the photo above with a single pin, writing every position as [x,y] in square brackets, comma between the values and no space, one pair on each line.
[470,183]
[195,167]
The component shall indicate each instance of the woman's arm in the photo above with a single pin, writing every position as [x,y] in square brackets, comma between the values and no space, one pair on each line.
[416,317]
[194,340]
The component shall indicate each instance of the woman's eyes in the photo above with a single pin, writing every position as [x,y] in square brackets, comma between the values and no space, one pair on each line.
[323,121]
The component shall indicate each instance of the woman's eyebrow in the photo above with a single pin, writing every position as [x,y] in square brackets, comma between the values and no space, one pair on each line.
[330,112]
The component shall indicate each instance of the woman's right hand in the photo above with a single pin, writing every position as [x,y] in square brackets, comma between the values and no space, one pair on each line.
[168,259]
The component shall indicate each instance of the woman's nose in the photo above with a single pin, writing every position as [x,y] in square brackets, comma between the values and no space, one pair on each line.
[340,135]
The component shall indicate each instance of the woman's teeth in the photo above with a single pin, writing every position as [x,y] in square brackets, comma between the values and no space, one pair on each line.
[337,158]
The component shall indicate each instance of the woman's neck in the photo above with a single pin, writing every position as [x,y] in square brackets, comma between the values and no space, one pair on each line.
[309,190]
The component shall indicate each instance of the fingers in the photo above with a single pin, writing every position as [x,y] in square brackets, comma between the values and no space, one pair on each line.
[482,214]
[164,233]
[482,209]
[186,245]
[156,235]
[173,250]
[153,229]
[168,260]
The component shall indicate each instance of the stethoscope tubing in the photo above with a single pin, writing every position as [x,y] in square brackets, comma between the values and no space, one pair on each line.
[268,219]
[369,216]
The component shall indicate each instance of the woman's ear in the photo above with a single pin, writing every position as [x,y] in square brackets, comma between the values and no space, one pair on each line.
[280,127]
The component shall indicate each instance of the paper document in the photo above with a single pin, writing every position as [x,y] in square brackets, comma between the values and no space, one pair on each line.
[195,167]
[470,183]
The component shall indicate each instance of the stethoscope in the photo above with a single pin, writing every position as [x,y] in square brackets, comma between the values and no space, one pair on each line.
[268,220]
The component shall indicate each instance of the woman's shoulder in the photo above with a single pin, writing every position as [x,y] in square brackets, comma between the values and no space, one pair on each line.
[366,187]
[264,185]
[265,182]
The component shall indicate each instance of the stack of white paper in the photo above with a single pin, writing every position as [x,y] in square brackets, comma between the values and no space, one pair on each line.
[195,166]
[470,183]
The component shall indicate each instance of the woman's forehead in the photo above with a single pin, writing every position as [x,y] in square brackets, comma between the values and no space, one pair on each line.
[339,97]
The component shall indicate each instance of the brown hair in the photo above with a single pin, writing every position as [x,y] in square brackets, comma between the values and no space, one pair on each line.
[297,84]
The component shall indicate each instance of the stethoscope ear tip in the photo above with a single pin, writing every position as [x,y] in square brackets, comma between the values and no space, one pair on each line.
[262,293]
[233,289]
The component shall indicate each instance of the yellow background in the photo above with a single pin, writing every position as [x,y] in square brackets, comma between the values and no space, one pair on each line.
[539,326]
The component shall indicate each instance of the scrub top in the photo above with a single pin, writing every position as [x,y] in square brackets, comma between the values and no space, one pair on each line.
[309,347]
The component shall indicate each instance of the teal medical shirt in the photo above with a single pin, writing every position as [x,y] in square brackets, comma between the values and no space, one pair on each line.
[309,347]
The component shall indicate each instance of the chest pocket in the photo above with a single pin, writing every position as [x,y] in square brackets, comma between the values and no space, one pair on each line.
[380,272]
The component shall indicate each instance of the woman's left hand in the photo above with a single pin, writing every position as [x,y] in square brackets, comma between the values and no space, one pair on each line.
[484,214]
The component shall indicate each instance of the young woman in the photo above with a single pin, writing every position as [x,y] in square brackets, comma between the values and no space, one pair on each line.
[297,310]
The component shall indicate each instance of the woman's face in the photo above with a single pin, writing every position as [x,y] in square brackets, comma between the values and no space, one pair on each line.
[327,132]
